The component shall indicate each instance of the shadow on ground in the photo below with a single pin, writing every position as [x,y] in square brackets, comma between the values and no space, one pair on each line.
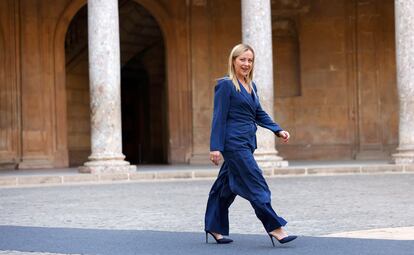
[125,242]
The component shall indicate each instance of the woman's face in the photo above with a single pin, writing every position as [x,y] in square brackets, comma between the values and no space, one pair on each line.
[243,64]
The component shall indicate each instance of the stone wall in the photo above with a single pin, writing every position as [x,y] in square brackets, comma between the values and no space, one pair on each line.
[215,29]
[9,87]
[33,128]
[347,105]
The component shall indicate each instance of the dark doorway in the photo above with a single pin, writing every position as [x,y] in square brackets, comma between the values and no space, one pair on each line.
[143,89]
[77,89]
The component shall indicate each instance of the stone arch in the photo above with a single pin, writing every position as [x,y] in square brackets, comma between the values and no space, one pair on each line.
[60,79]
[179,104]
[179,116]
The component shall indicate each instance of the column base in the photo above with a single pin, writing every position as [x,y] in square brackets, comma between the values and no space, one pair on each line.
[107,166]
[269,160]
[403,157]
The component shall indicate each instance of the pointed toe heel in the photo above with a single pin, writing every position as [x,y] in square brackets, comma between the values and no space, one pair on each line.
[283,240]
[287,239]
[219,241]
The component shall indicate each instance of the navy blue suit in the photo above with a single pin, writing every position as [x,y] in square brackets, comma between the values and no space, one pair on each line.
[233,133]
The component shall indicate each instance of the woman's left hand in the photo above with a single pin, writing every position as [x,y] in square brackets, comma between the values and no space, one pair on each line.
[215,157]
[284,135]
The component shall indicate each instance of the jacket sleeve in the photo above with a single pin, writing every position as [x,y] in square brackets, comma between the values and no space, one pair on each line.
[263,119]
[221,109]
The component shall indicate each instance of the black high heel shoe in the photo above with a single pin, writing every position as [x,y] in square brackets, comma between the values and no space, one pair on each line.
[219,241]
[283,240]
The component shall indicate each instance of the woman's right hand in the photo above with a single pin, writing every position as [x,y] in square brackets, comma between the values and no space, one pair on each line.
[215,157]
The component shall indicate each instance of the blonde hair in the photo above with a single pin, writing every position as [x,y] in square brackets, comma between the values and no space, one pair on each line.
[235,52]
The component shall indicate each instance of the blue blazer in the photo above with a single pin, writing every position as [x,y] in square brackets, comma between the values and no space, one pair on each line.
[235,118]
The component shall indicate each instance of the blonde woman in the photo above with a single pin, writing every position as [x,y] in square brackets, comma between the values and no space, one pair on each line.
[237,112]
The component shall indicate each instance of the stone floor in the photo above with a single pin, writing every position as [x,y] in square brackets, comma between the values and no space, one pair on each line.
[333,214]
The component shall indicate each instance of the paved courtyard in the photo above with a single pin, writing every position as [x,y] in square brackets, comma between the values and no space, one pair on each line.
[166,217]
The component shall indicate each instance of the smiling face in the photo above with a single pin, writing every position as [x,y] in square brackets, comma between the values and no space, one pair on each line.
[243,64]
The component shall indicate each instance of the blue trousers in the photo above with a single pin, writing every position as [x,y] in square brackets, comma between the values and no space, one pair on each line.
[239,175]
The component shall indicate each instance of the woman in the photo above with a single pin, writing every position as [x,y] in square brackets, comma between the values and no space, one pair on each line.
[237,110]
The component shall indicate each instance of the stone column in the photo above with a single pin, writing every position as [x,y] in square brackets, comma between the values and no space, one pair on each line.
[404,29]
[257,32]
[104,83]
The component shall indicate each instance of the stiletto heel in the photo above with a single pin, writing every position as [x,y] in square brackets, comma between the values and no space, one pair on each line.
[219,241]
[271,239]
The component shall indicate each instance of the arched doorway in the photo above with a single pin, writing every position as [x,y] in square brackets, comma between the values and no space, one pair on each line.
[143,87]
[77,89]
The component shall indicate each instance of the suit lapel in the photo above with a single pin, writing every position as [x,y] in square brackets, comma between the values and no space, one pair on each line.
[248,98]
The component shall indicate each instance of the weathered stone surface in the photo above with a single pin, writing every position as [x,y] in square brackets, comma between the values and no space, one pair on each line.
[381,168]
[108,166]
[8,181]
[111,177]
[80,178]
[334,170]
[174,175]
[409,168]
[105,87]
[36,180]
[347,105]
[142,176]
[257,32]
[205,173]
[46,177]
[267,172]
[289,171]
[404,13]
